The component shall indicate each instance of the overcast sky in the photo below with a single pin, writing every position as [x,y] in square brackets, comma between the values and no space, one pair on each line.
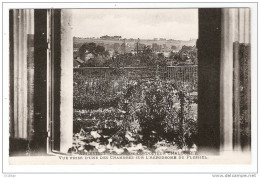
[179,24]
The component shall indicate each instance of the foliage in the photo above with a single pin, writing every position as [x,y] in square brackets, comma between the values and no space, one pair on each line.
[106,120]
[93,94]
[99,52]
[149,110]
[165,115]
[93,49]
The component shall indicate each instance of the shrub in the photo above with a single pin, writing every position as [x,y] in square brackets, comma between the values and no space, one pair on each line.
[165,115]
[152,110]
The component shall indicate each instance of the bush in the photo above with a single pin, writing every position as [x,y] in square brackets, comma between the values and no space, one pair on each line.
[152,110]
[165,115]
[91,93]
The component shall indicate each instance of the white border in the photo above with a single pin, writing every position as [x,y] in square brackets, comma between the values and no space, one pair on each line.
[130,168]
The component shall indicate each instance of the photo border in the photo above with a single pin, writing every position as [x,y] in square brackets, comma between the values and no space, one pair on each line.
[4,98]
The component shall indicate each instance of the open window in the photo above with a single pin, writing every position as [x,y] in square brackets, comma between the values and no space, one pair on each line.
[41,80]
[135,92]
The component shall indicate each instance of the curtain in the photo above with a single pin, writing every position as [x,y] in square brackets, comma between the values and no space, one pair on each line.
[235,33]
[22,45]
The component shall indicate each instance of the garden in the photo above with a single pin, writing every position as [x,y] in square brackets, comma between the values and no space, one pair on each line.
[122,115]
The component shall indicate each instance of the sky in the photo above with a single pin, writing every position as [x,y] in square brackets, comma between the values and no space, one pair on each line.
[178,24]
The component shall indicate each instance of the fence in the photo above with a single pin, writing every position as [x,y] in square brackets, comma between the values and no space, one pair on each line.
[187,73]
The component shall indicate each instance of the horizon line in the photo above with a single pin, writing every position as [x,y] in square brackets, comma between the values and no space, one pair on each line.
[153,39]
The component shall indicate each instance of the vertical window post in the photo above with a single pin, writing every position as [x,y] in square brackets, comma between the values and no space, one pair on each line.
[66,86]
[208,80]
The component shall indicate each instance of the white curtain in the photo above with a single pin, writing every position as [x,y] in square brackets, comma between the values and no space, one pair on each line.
[23,52]
[235,24]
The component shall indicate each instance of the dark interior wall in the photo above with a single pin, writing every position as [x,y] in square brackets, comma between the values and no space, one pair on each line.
[40,99]
[208,45]
[56,58]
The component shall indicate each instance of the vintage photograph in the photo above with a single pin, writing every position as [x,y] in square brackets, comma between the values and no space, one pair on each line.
[130,85]
[135,91]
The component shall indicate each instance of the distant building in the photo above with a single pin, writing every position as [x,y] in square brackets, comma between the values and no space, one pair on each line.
[173,47]
[155,47]
[110,53]
[160,48]
[140,47]
[164,46]
[116,47]
[77,62]
[116,37]
[106,37]
[88,56]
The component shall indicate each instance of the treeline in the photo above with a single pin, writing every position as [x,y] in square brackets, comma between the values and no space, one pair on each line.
[94,55]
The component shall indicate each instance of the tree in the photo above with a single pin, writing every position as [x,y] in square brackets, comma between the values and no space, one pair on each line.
[90,47]
[96,62]
[172,54]
[147,57]
[160,56]
[99,52]
[161,60]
